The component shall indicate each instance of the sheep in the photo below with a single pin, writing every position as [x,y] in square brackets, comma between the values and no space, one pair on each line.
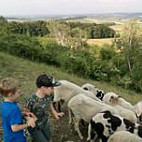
[99,93]
[104,124]
[67,90]
[113,100]
[122,102]
[138,110]
[84,107]
[124,136]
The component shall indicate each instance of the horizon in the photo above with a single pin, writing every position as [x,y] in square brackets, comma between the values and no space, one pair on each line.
[70,15]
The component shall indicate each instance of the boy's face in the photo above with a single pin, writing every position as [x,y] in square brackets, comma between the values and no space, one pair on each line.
[47,90]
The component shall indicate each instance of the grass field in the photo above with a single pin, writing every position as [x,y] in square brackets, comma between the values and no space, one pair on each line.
[100,42]
[26,72]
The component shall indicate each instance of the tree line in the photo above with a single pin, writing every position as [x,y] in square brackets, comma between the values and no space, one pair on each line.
[41,28]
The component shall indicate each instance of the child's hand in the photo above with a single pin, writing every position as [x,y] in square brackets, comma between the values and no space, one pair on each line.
[31,122]
[58,115]
[30,114]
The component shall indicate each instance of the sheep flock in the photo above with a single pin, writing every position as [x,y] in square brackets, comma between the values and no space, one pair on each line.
[110,117]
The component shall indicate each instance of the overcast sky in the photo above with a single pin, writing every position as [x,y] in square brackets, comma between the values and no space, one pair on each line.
[66,7]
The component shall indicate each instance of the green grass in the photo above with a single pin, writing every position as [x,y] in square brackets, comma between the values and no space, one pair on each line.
[26,72]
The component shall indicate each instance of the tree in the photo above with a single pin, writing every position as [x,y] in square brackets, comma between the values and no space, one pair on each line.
[131,41]
[62,33]
[101,31]
[131,48]
[35,28]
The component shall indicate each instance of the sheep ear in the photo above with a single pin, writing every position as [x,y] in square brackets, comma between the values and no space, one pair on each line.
[85,88]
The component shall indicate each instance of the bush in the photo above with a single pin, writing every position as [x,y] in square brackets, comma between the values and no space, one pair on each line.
[119,62]
[137,74]
[125,82]
[107,52]
[22,46]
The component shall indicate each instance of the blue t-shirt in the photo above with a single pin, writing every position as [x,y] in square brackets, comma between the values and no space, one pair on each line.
[11,115]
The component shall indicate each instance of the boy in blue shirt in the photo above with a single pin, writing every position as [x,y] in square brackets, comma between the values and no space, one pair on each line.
[11,114]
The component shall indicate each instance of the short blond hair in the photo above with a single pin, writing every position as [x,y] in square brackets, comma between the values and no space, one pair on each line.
[8,85]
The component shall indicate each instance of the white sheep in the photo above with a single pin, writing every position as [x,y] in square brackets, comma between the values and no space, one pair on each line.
[113,100]
[84,107]
[121,101]
[67,90]
[138,110]
[124,136]
[92,88]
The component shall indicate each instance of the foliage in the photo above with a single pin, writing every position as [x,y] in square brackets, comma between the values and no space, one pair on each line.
[101,31]
[130,44]
[137,73]
[23,46]
[91,30]
[59,28]
[61,32]
[36,28]
[107,52]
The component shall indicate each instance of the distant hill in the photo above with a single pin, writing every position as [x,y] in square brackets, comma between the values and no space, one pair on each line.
[120,15]
[137,15]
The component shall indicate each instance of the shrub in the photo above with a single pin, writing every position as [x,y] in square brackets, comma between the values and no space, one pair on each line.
[107,52]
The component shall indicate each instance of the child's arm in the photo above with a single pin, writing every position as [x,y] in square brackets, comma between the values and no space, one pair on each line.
[55,113]
[18,127]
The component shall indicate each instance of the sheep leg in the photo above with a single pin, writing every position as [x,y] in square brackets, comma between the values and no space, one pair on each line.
[76,126]
[70,116]
[92,136]
[89,131]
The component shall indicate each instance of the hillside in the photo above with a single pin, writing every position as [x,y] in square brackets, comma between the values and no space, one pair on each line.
[26,72]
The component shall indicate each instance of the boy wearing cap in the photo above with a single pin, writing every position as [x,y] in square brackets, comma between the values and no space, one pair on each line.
[39,104]
[10,113]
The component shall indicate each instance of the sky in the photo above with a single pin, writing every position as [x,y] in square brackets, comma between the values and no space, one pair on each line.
[67,7]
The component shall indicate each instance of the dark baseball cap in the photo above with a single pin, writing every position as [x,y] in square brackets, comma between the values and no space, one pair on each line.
[47,81]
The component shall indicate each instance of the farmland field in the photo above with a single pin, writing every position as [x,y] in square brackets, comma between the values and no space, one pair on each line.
[100,42]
